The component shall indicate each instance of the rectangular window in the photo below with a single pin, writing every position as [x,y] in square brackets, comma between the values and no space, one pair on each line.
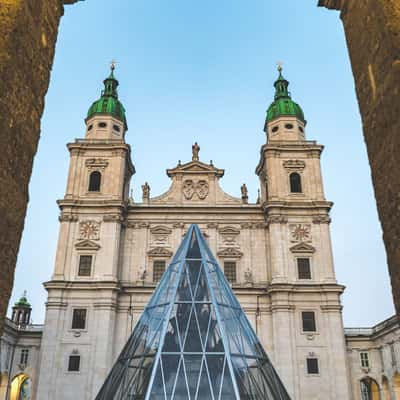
[303,268]
[85,265]
[364,359]
[230,271]
[24,356]
[312,366]
[158,270]
[308,318]
[74,363]
[79,318]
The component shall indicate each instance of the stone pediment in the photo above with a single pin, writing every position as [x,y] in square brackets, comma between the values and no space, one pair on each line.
[195,167]
[160,230]
[159,252]
[229,230]
[230,252]
[302,248]
[87,245]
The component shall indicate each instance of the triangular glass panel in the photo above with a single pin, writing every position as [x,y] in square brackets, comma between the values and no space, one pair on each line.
[193,340]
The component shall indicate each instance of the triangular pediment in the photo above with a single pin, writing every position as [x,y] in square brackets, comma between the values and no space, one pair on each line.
[229,230]
[159,252]
[160,230]
[195,167]
[192,339]
[87,245]
[302,248]
[230,252]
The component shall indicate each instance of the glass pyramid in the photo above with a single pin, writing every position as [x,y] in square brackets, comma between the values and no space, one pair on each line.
[193,340]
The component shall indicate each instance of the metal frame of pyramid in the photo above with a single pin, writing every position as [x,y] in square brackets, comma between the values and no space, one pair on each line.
[193,340]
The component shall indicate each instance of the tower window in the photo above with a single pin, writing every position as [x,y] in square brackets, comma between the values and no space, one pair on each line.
[85,265]
[24,356]
[230,271]
[308,319]
[301,129]
[74,363]
[90,127]
[364,360]
[289,126]
[312,366]
[116,128]
[275,129]
[303,268]
[94,181]
[79,318]
[295,182]
[102,125]
[158,270]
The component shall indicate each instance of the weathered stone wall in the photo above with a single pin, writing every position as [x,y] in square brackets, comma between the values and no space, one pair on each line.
[28,32]
[373,37]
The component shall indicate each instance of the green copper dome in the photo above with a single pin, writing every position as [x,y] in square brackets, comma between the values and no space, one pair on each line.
[283,104]
[22,302]
[108,103]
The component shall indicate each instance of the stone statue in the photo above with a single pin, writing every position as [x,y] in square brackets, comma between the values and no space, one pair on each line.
[146,191]
[195,152]
[248,277]
[245,197]
[142,273]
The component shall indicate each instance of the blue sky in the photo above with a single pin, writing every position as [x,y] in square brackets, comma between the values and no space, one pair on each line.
[203,71]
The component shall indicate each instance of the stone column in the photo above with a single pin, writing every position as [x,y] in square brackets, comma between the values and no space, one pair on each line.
[28,33]
[372,30]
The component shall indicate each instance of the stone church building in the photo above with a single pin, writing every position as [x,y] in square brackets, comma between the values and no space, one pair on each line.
[276,253]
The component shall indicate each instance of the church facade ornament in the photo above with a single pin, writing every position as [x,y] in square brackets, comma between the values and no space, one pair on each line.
[159,252]
[300,232]
[294,165]
[89,230]
[230,252]
[98,164]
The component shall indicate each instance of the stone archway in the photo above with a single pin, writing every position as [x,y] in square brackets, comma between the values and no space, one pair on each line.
[385,389]
[21,388]
[369,389]
[396,386]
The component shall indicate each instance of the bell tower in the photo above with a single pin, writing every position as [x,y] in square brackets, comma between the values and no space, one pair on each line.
[303,290]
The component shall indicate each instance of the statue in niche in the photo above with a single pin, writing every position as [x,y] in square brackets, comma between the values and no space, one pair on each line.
[245,196]
[248,277]
[142,273]
[146,191]
[195,152]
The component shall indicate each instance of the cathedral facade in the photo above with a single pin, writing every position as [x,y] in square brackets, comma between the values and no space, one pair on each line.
[112,251]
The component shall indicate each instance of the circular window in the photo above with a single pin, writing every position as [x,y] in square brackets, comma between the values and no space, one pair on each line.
[102,125]
[275,129]
[116,128]
[301,129]
[289,126]
[90,127]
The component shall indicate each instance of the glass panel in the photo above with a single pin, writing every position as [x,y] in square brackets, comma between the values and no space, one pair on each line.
[192,366]
[204,390]
[193,267]
[170,367]
[194,249]
[184,293]
[180,392]
[192,342]
[202,293]
[203,312]
[182,315]
[171,340]
[214,339]
[227,391]
[215,365]
[157,390]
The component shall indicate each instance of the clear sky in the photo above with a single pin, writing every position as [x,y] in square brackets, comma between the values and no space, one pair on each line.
[203,71]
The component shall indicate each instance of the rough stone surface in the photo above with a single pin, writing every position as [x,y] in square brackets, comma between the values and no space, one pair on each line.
[373,37]
[28,32]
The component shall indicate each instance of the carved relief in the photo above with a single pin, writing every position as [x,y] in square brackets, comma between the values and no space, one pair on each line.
[300,232]
[188,189]
[89,230]
[113,218]
[277,219]
[178,225]
[160,235]
[230,252]
[201,188]
[229,236]
[212,225]
[321,219]
[68,218]
[96,163]
[159,252]
[87,245]
[294,165]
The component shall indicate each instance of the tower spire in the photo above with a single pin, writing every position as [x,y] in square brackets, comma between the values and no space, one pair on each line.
[281,85]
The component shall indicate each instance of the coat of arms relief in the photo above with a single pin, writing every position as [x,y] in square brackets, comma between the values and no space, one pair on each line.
[199,188]
[89,230]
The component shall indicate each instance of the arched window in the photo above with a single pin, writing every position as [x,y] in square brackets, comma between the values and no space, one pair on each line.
[295,182]
[369,389]
[94,181]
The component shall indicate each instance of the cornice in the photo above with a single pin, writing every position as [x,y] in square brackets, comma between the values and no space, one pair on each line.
[82,285]
[306,288]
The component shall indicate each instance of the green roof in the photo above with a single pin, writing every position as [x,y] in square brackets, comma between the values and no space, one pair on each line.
[22,302]
[108,104]
[283,104]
